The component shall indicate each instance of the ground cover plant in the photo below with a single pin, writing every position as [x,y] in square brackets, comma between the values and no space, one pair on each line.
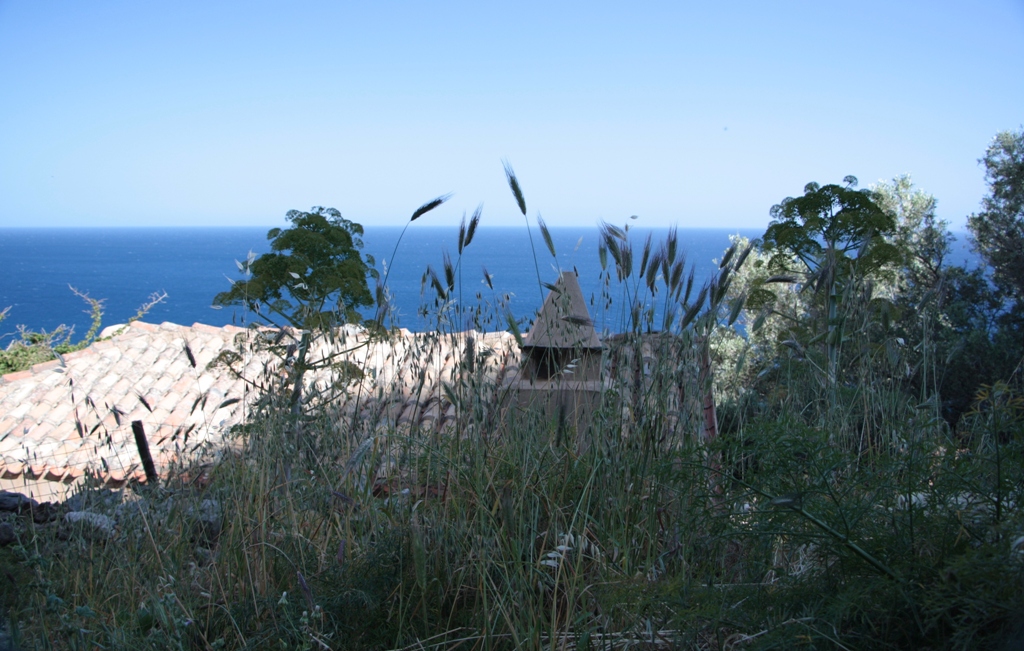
[29,347]
[784,457]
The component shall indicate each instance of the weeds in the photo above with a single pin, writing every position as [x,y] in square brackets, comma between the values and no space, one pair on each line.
[32,348]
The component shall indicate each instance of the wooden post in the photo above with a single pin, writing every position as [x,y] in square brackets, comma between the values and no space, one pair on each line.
[147,460]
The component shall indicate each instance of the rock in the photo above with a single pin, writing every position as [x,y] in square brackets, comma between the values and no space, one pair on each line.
[1014,641]
[92,526]
[95,499]
[209,516]
[130,510]
[205,556]
[46,512]
[16,502]
[8,534]
[6,640]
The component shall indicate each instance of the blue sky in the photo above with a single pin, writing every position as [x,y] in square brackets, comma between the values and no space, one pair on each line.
[695,114]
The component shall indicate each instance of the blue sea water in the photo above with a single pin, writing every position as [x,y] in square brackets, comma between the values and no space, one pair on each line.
[124,266]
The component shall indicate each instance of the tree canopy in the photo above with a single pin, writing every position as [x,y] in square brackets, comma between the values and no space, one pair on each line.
[828,223]
[923,239]
[313,278]
[832,238]
[998,230]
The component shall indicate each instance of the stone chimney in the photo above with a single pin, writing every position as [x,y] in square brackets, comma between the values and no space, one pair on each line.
[562,341]
[561,376]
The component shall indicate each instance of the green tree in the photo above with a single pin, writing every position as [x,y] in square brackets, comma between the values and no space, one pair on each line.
[998,230]
[829,229]
[987,319]
[959,331]
[772,312]
[828,241]
[314,280]
[917,289]
[923,239]
[976,343]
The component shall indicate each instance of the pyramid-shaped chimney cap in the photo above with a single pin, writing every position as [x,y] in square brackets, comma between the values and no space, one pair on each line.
[564,321]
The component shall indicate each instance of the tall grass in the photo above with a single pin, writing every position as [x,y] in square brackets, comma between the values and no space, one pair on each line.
[507,530]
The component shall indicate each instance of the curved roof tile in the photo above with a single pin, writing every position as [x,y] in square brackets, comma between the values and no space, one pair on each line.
[62,419]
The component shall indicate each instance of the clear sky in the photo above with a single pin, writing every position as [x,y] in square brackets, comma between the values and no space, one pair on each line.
[689,113]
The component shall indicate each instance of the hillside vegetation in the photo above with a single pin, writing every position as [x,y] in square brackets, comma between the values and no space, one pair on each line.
[823,447]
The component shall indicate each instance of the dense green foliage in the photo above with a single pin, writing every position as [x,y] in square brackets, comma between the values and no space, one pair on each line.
[832,238]
[999,228]
[830,229]
[936,331]
[314,277]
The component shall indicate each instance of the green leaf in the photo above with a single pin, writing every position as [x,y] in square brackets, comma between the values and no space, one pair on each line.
[731,251]
[85,612]
[737,307]
[513,327]
[759,320]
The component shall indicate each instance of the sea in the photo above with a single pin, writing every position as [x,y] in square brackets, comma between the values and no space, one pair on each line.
[41,268]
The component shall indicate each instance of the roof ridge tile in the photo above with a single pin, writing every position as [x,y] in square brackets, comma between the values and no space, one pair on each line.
[15,376]
[202,327]
[77,354]
[46,366]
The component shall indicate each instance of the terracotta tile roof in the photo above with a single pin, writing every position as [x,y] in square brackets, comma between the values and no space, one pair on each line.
[64,418]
